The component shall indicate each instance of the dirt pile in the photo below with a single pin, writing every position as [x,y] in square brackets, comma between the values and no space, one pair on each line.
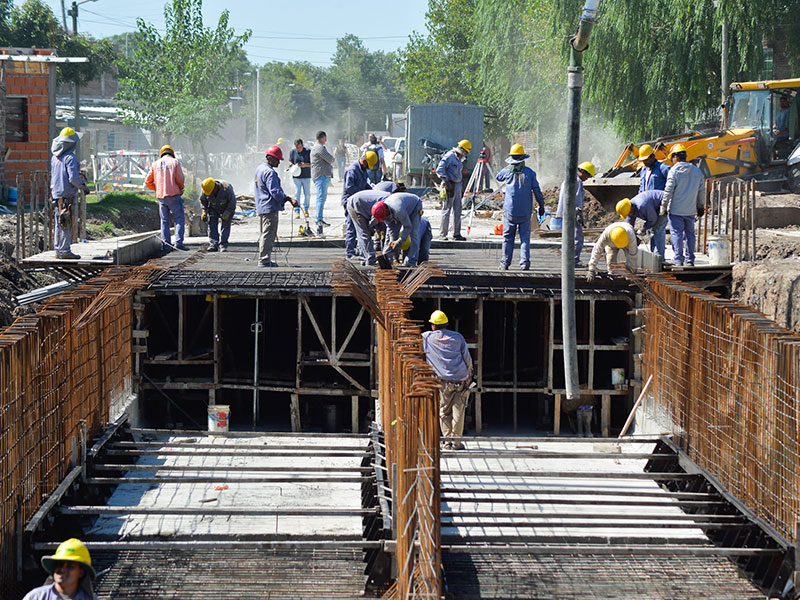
[594,215]
[771,286]
[13,282]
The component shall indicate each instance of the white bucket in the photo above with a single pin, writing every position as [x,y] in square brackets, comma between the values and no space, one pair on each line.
[719,249]
[617,377]
[218,417]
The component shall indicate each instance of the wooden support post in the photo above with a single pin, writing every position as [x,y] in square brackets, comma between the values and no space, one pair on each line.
[295,413]
[354,414]
[82,197]
[605,414]
[557,416]
[21,250]
[592,307]
[514,356]
[32,212]
[212,393]
[753,216]
[181,322]
[479,372]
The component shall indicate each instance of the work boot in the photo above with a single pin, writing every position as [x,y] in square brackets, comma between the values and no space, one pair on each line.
[458,446]
[459,238]
[180,246]
[525,267]
[223,248]
[305,214]
[443,238]
[503,267]
[297,214]
[212,248]
[69,255]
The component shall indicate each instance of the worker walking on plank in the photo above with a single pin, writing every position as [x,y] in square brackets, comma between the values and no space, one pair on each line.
[684,197]
[586,170]
[446,351]
[219,203]
[615,238]
[401,212]
[355,180]
[166,179]
[653,175]
[270,199]
[359,208]
[71,574]
[646,206]
[450,171]
[65,181]
[521,188]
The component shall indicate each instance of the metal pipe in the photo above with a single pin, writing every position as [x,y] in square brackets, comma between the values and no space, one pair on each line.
[256,329]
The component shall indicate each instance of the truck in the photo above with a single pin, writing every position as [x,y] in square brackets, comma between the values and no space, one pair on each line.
[432,130]
[749,144]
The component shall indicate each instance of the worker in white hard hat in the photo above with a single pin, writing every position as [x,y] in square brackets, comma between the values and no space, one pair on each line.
[615,238]
[446,351]
[71,574]
[586,170]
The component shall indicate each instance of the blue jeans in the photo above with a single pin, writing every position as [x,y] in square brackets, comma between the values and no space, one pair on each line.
[214,218]
[658,239]
[578,242]
[425,239]
[302,186]
[374,176]
[682,229]
[174,205]
[350,248]
[321,183]
[509,233]
[340,165]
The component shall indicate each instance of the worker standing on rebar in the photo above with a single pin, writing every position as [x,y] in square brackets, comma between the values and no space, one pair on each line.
[646,206]
[451,171]
[653,175]
[615,238]
[71,574]
[219,204]
[521,188]
[65,182]
[402,213]
[684,195]
[166,179]
[586,171]
[359,208]
[446,351]
[270,199]
[355,180]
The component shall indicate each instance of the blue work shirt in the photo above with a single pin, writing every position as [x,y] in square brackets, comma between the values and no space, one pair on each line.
[363,201]
[655,178]
[580,194]
[446,351]
[449,167]
[269,194]
[48,592]
[355,180]
[303,156]
[65,176]
[520,191]
[401,206]
[645,206]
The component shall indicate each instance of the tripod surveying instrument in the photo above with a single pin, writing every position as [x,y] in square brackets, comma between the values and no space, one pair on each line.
[477,186]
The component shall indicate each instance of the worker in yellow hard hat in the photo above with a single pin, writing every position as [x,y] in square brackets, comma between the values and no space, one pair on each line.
[586,170]
[376,171]
[646,206]
[65,184]
[684,198]
[71,574]
[451,172]
[219,203]
[653,174]
[446,351]
[615,238]
[167,180]
[355,180]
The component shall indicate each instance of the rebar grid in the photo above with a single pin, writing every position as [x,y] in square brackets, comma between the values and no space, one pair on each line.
[727,383]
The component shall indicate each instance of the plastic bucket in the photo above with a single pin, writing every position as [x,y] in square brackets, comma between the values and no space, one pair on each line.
[12,195]
[719,250]
[218,417]
[555,223]
[617,377]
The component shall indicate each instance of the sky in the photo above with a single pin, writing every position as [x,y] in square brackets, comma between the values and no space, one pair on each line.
[282,31]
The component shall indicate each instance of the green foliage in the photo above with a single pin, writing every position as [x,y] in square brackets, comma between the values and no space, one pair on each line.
[117,203]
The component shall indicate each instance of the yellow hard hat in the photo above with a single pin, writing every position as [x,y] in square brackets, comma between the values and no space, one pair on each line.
[372,158]
[624,207]
[438,318]
[645,151]
[677,148]
[280,141]
[464,144]
[208,185]
[516,150]
[588,167]
[619,237]
[67,131]
[73,550]
[406,245]
[166,148]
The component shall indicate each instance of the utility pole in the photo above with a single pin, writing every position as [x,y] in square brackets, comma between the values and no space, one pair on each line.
[348,125]
[724,62]
[258,105]
[73,12]
[578,43]
[64,14]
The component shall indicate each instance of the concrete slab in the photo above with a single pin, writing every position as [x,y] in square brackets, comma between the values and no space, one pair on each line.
[126,250]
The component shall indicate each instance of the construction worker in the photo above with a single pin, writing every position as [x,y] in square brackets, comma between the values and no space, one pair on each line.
[615,237]
[402,212]
[521,188]
[270,199]
[684,195]
[586,171]
[321,174]
[65,181]
[450,171]
[446,351]
[71,574]
[646,206]
[219,204]
[653,175]
[166,178]
[301,156]
[425,239]
[375,173]
[359,208]
[355,180]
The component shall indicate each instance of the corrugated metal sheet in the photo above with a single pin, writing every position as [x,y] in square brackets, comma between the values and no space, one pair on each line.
[445,124]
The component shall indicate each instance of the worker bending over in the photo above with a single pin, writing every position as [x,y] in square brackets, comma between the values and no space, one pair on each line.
[615,237]
[71,574]
[653,175]
[270,199]
[586,171]
[65,181]
[684,196]
[446,351]
[166,178]
[355,180]
[521,188]
[219,204]
[646,206]
[359,208]
[402,213]
[450,170]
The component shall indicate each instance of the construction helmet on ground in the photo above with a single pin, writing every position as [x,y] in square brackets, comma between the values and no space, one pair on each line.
[274,152]
[208,185]
[676,149]
[624,207]
[379,211]
[619,237]
[438,318]
[516,150]
[371,158]
[166,149]
[406,245]
[72,550]
[465,145]
[588,167]
[67,131]
[645,151]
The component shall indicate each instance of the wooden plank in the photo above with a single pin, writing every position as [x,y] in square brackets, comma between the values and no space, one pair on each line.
[605,414]
[557,416]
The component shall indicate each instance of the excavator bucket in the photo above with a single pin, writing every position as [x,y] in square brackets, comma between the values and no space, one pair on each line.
[610,190]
